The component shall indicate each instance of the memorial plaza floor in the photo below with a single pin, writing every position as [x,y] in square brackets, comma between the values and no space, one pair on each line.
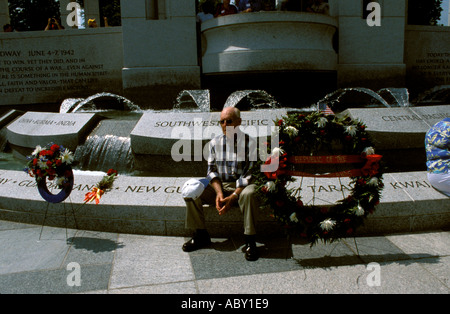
[36,260]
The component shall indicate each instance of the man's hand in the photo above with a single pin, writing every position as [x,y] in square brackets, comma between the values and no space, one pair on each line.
[223,205]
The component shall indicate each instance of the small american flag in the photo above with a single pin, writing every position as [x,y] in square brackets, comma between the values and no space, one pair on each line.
[325,109]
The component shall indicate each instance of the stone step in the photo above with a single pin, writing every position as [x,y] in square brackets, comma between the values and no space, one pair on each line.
[154,206]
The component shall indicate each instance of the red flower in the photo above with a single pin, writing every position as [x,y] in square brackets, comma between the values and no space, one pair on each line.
[361,181]
[279,203]
[299,203]
[349,231]
[54,147]
[280,122]
[111,172]
[49,163]
[58,162]
[35,161]
[309,219]
[47,153]
[348,138]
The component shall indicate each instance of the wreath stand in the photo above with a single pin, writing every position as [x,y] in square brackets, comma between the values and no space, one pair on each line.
[55,199]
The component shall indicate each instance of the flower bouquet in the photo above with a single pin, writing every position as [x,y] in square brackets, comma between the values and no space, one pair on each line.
[101,187]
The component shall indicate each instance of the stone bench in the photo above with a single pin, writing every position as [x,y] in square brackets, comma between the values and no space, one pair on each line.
[154,206]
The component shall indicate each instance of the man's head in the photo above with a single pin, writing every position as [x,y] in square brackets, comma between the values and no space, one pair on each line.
[230,118]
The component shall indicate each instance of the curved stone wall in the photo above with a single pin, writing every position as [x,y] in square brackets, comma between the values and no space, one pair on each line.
[269,41]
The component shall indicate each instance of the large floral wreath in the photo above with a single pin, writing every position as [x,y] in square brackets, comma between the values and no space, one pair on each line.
[52,162]
[303,139]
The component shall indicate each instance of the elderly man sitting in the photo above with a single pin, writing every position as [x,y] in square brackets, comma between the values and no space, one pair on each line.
[230,184]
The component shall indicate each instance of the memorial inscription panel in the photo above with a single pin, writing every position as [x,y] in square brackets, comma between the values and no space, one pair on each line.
[52,68]
[156,133]
[41,128]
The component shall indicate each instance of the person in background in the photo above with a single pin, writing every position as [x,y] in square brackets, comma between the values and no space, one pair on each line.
[206,12]
[53,24]
[437,146]
[319,6]
[93,24]
[245,6]
[225,8]
[7,28]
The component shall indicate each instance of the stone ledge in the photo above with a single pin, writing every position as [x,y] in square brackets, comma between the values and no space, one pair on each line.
[149,205]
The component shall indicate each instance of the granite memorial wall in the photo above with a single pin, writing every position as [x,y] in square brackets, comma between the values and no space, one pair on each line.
[48,67]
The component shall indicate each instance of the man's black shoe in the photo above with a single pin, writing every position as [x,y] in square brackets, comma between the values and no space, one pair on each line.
[251,253]
[198,241]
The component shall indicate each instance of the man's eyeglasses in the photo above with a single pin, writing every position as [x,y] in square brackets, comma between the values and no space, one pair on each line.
[228,121]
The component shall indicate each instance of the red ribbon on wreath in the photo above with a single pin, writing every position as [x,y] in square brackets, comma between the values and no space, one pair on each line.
[370,167]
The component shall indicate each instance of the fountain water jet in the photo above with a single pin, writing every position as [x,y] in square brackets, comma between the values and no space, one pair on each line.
[75,104]
[257,99]
[200,99]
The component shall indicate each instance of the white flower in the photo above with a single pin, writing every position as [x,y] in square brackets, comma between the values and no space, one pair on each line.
[270,186]
[277,152]
[327,224]
[67,156]
[359,211]
[42,164]
[37,150]
[373,181]
[293,217]
[291,131]
[369,151]
[322,122]
[351,130]
[59,181]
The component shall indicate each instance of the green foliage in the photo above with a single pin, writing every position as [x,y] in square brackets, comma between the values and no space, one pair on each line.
[32,15]
[424,12]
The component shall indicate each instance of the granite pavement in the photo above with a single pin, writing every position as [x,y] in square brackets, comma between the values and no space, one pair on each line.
[47,260]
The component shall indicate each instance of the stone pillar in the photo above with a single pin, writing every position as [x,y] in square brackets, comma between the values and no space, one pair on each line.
[448,22]
[4,13]
[160,51]
[92,11]
[371,56]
